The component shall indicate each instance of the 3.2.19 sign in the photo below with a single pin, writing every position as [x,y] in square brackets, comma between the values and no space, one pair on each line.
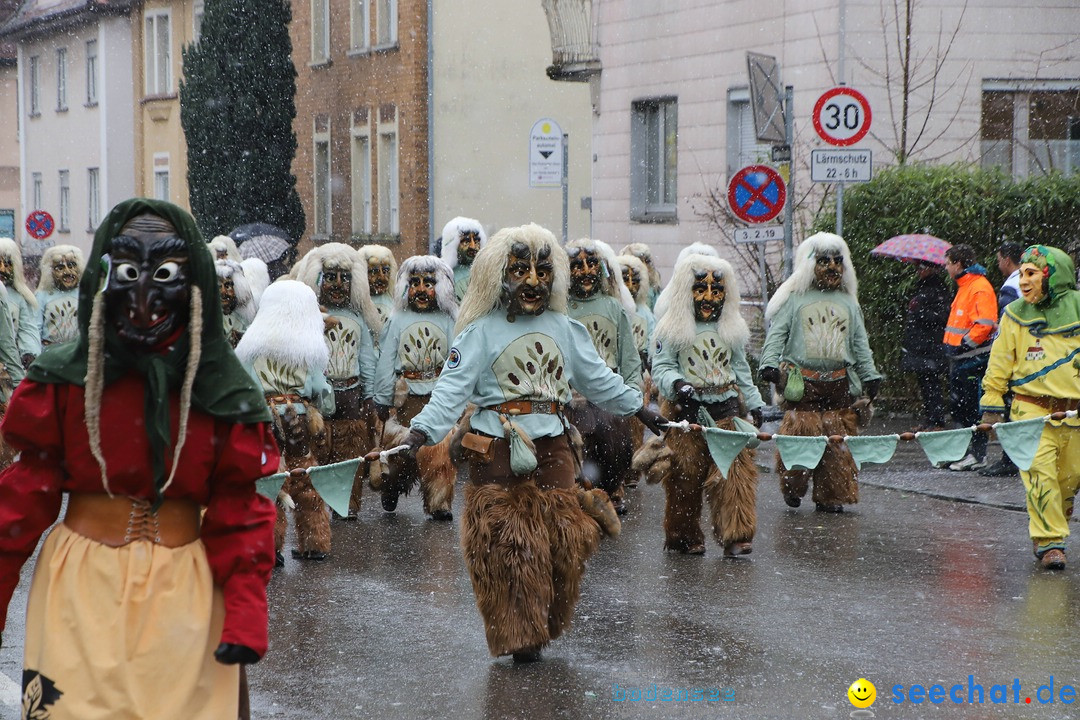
[842,116]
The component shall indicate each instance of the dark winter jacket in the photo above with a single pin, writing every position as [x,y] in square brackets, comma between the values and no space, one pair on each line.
[924,323]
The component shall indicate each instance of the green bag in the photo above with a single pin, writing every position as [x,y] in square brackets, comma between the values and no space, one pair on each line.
[522,449]
[795,387]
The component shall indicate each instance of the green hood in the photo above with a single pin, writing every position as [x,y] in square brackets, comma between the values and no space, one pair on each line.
[1058,312]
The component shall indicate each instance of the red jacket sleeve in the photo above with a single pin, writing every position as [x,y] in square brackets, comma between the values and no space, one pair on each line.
[238,532]
[30,489]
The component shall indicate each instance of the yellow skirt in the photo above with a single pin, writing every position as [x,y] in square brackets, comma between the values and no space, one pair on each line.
[124,633]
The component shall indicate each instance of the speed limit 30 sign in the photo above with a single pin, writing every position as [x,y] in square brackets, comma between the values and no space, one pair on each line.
[842,116]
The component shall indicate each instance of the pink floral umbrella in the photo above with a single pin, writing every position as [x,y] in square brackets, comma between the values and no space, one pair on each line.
[913,248]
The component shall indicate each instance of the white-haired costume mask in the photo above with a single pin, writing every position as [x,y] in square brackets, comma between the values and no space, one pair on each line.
[58,293]
[445,301]
[642,252]
[224,247]
[21,301]
[696,248]
[314,266]
[677,327]
[237,302]
[804,275]
[258,277]
[637,273]
[462,239]
[609,281]
[382,269]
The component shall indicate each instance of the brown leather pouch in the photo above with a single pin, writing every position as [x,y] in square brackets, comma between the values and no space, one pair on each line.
[481,447]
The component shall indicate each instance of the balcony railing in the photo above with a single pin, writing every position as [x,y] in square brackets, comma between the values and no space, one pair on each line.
[574,55]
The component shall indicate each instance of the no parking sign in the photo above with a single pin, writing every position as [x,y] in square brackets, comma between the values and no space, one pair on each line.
[756,194]
[40,224]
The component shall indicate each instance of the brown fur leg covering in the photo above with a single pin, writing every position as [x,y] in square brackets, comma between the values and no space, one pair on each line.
[836,477]
[733,501]
[573,537]
[794,483]
[437,475]
[683,484]
[508,555]
[312,520]
[281,525]
[637,439]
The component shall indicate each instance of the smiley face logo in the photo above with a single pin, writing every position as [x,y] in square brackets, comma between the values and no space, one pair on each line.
[862,693]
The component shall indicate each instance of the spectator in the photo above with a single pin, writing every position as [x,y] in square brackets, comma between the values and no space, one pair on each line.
[1008,260]
[968,335]
[923,354]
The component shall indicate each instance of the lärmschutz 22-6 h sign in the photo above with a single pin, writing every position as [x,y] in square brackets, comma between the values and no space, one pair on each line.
[841,165]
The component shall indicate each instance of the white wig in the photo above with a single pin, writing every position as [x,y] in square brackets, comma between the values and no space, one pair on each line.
[485,293]
[677,328]
[451,237]
[610,273]
[11,248]
[225,244]
[245,301]
[636,265]
[802,277]
[380,253]
[444,282]
[288,328]
[58,252]
[258,277]
[642,252]
[696,248]
[339,256]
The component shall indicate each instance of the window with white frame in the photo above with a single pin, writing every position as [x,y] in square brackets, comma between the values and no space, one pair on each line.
[161,176]
[389,222]
[654,133]
[743,147]
[37,190]
[61,78]
[157,47]
[322,200]
[361,177]
[34,101]
[320,31]
[93,197]
[197,12]
[358,25]
[91,72]
[1031,127]
[386,17]
[63,223]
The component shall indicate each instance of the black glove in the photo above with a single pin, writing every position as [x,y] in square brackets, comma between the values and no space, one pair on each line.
[230,654]
[383,411]
[652,420]
[415,440]
[770,374]
[756,417]
[872,387]
[684,392]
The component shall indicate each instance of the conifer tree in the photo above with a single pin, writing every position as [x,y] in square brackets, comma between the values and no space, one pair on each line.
[237,110]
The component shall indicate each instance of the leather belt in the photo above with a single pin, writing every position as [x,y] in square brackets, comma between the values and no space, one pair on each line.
[344,383]
[824,375]
[714,389]
[527,407]
[421,374]
[283,399]
[118,521]
[1049,403]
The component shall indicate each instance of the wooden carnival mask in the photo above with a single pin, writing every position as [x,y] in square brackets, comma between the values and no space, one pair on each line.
[421,293]
[527,284]
[632,280]
[468,246]
[378,276]
[148,293]
[335,287]
[65,273]
[227,291]
[7,270]
[708,294]
[584,273]
[829,270]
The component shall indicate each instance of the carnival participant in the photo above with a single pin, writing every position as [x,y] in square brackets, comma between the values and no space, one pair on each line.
[635,278]
[600,302]
[517,355]
[642,252]
[58,294]
[339,277]
[462,238]
[224,247]
[284,351]
[382,269]
[700,367]
[1037,356]
[816,352]
[237,302]
[156,434]
[414,346]
[22,305]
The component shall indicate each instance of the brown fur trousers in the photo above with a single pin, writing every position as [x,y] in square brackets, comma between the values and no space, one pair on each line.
[303,444]
[835,477]
[434,470]
[525,550]
[348,439]
[692,473]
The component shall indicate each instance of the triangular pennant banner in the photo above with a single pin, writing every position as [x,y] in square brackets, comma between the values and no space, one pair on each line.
[945,446]
[799,452]
[1020,440]
[334,483]
[871,448]
[724,445]
[743,426]
[270,485]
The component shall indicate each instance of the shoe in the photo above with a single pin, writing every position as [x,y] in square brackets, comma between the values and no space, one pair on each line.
[1053,559]
[1002,468]
[389,500]
[279,560]
[698,549]
[309,555]
[530,655]
[968,462]
[734,549]
[793,501]
[828,508]
[442,515]
[619,505]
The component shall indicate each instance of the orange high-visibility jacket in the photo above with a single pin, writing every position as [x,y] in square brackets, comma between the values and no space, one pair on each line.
[974,311]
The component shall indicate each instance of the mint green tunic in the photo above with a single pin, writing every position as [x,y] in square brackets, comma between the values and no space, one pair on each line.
[27,321]
[352,352]
[708,363]
[59,316]
[612,336]
[412,342]
[462,273]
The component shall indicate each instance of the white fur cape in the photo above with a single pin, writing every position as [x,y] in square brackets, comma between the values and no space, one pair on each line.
[288,328]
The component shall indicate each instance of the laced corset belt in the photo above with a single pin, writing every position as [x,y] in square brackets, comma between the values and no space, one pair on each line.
[117,521]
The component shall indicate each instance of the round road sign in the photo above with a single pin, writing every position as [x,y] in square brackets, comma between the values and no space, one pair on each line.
[756,194]
[40,224]
[842,116]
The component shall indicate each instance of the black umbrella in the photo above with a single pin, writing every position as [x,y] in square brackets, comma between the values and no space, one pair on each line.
[268,243]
